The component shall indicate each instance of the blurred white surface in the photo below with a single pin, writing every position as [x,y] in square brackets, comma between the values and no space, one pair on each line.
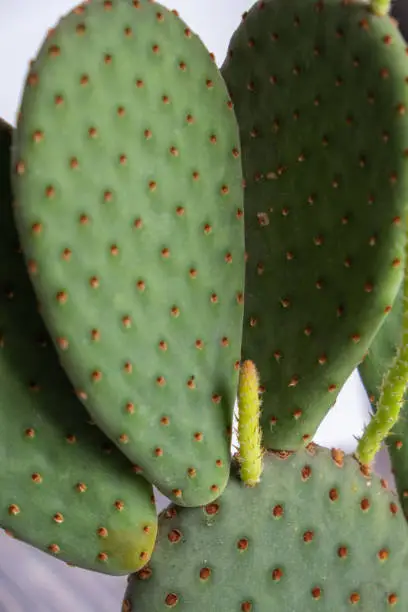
[31,581]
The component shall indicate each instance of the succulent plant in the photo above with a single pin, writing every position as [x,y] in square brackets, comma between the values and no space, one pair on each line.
[134,161]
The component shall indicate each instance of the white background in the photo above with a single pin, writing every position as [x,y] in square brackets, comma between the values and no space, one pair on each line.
[29,580]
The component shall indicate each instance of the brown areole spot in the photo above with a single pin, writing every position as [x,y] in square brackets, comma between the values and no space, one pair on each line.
[243,544]
[337,456]
[278,511]
[333,494]
[316,592]
[308,536]
[383,554]
[342,552]
[145,573]
[171,600]
[393,508]
[102,532]
[174,536]
[212,509]
[205,573]
[365,504]
[54,549]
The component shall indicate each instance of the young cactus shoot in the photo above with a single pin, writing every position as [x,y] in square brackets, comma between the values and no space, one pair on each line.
[392,391]
[381,7]
[249,431]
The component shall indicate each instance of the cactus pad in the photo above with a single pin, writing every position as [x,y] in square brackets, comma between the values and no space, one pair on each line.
[320,93]
[316,534]
[64,488]
[129,185]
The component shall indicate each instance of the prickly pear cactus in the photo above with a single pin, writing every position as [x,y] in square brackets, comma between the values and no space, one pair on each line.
[128,180]
[320,93]
[317,533]
[64,488]
[129,210]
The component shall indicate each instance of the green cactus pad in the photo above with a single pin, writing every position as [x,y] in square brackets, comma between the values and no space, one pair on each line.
[377,362]
[316,534]
[320,93]
[129,187]
[64,488]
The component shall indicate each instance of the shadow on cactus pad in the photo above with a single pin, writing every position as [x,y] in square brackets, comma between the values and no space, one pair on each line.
[64,488]
[320,93]
[317,533]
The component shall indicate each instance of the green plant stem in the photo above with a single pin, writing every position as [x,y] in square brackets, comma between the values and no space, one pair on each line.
[392,389]
[249,431]
[381,7]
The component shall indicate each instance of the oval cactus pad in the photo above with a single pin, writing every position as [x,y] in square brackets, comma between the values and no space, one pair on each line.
[64,487]
[316,534]
[320,93]
[129,187]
